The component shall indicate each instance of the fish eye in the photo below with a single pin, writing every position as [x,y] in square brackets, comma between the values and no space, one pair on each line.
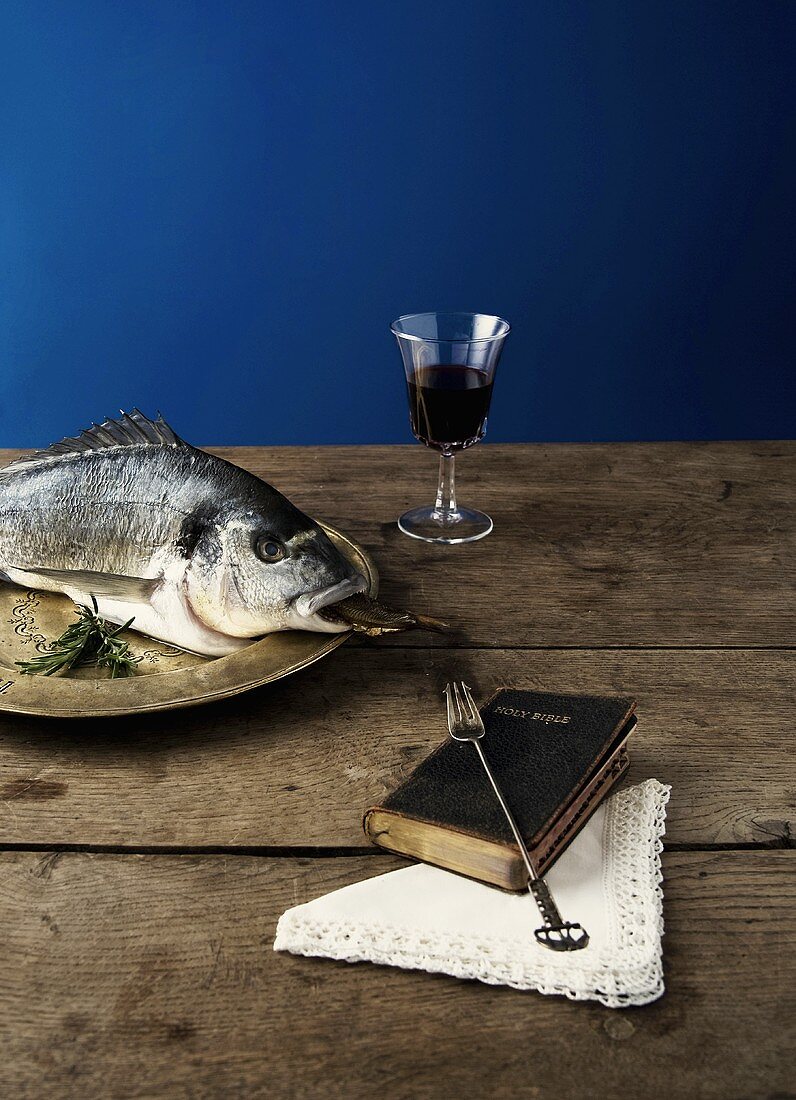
[269,549]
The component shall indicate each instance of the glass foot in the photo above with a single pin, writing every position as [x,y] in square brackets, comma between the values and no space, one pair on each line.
[434,525]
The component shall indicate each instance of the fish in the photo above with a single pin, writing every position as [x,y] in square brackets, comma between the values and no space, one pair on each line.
[200,553]
[366,615]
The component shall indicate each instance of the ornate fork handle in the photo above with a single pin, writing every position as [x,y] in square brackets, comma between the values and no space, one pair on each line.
[557,934]
[547,907]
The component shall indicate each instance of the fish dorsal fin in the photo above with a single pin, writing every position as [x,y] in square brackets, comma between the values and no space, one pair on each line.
[132,429]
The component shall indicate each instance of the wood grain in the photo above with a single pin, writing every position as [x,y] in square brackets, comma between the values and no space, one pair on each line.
[596,544]
[660,570]
[154,976]
[297,763]
[687,544]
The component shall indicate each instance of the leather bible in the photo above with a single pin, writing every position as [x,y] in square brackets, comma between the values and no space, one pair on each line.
[555,757]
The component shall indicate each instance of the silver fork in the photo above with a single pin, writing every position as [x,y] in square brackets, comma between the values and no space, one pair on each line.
[465,724]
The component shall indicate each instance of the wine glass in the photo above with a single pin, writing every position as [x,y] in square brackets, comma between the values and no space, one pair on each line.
[450,361]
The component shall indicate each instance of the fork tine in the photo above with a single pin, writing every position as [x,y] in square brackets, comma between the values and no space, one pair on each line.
[459,706]
[468,698]
[449,706]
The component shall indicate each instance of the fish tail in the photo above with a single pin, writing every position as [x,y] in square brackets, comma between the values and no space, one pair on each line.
[425,622]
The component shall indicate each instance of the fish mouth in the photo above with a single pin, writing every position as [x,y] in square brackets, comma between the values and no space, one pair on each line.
[311,602]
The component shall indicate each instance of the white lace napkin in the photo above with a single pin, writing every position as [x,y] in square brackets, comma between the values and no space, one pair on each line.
[424,918]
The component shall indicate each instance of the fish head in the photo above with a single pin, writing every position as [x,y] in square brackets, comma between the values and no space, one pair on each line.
[257,570]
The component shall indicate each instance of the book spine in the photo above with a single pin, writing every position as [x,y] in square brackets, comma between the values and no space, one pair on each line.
[545,855]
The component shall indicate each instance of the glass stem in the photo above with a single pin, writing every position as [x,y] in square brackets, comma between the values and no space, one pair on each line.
[446,489]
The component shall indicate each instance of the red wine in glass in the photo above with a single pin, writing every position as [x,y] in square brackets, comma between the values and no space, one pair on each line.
[448,405]
[449,361]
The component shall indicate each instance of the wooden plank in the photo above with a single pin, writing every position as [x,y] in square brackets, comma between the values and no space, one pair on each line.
[154,976]
[594,544]
[298,762]
[608,544]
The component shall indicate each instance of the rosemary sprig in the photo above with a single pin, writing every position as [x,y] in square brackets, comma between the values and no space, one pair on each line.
[89,641]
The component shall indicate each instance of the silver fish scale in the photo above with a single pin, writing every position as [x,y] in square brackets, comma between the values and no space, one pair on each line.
[111,510]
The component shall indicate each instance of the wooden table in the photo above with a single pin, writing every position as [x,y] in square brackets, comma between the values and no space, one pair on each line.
[144,862]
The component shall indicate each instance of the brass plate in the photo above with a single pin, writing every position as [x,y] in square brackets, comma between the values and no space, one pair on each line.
[167,677]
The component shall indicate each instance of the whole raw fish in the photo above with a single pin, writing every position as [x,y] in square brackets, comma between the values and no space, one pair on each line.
[201,553]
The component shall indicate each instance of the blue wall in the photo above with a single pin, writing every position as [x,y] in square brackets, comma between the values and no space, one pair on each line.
[216,207]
